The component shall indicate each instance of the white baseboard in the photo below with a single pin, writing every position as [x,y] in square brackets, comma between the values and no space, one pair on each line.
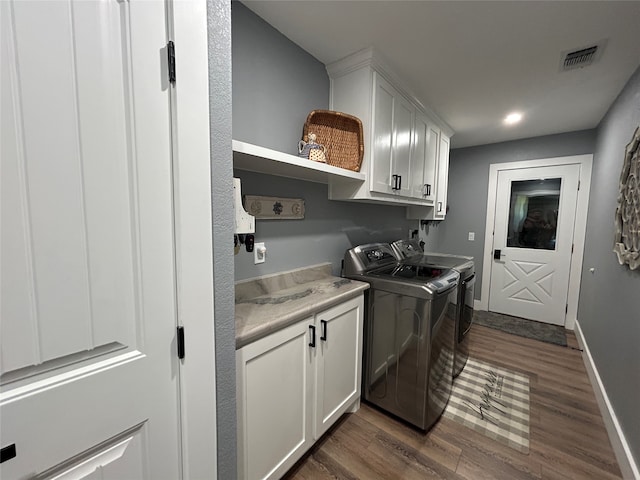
[619,443]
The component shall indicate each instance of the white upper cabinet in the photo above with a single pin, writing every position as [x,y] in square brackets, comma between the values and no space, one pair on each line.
[426,136]
[436,171]
[403,115]
[380,171]
[391,146]
[401,137]
[440,208]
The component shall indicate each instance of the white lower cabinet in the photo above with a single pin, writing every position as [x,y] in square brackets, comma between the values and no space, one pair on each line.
[338,362]
[293,385]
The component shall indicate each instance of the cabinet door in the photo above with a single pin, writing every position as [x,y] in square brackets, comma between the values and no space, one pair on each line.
[418,156]
[431,161]
[339,361]
[424,158]
[382,135]
[275,391]
[403,113]
[440,207]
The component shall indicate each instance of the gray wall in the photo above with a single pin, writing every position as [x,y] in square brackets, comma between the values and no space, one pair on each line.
[469,187]
[328,229]
[275,86]
[219,33]
[609,306]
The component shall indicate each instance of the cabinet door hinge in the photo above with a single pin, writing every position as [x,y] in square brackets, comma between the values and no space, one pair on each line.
[171,57]
[180,342]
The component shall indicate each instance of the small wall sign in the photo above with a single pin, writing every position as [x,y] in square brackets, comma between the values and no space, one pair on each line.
[274,208]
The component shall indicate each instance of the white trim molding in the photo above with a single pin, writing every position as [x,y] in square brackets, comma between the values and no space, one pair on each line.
[580,226]
[621,448]
[193,237]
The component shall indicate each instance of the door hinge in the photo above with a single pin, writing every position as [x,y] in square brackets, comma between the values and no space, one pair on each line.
[171,61]
[180,342]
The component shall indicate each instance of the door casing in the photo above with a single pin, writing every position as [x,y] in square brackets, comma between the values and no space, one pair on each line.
[575,274]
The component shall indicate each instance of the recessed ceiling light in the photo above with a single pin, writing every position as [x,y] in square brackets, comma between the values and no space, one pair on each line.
[513,118]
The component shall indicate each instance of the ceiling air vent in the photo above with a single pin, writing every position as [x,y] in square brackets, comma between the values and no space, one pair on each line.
[580,58]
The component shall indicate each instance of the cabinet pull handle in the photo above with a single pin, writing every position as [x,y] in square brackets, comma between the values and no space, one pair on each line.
[395,182]
[7,453]
[439,206]
[399,182]
[427,189]
[312,343]
[324,330]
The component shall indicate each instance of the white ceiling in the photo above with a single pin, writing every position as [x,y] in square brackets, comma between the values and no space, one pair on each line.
[473,62]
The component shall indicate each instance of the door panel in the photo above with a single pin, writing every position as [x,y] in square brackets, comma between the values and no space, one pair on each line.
[401,154]
[118,458]
[75,211]
[432,160]
[338,362]
[534,219]
[382,131]
[87,349]
[440,209]
[419,161]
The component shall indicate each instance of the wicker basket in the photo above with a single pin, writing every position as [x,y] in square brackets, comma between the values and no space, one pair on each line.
[341,134]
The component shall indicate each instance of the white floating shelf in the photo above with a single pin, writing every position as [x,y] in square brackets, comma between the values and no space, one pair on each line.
[264,160]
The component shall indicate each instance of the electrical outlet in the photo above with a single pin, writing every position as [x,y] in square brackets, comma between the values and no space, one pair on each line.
[259,253]
[472,236]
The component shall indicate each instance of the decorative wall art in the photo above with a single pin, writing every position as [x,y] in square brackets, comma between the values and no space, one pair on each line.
[274,208]
[627,222]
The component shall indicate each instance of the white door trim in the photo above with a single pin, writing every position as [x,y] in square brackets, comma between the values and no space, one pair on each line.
[193,232]
[585,162]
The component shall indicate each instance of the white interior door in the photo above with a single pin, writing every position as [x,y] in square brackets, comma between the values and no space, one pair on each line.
[533,236]
[89,374]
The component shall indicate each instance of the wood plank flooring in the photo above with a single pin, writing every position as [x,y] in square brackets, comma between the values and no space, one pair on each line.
[568,439]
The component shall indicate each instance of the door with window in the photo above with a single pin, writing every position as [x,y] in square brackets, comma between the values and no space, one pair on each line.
[89,372]
[532,243]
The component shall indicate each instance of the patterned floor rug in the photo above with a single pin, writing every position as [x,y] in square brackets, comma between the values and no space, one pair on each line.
[493,401]
[543,332]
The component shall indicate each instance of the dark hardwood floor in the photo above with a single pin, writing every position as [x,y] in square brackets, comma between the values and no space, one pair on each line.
[567,439]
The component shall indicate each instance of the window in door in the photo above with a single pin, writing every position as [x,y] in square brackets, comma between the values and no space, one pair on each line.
[533,213]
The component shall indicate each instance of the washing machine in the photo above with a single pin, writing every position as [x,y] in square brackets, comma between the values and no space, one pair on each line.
[410,251]
[409,333]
